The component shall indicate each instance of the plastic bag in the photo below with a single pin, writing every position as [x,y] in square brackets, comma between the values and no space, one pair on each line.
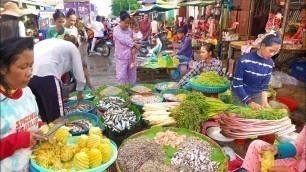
[275,83]
[267,161]
[285,78]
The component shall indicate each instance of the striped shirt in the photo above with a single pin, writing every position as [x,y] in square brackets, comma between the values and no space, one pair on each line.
[202,66]
[252,75]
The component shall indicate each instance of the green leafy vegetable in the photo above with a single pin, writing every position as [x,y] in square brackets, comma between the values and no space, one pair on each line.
[211,79]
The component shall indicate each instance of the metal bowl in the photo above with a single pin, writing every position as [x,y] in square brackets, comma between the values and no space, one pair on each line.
[287,137]
[215,133]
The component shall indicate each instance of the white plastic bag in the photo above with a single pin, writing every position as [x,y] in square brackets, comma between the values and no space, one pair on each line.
[285,78]
[275,83]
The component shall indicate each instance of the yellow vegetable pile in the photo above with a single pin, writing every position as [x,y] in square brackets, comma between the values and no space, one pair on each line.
[89,152]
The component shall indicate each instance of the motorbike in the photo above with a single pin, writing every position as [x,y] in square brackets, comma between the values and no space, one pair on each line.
[102,45]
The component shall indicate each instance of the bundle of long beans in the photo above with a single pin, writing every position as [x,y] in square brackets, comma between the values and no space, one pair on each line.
[242,128]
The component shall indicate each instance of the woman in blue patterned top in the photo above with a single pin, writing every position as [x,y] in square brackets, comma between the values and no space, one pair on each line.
[253,73]
[207,63]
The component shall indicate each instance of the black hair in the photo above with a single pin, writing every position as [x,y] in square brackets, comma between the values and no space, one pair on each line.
[154,18]
[135,24]
[58,14]
[70,12]
[9,50]
[98,18]
[71,38]
[124,15]
[270,39]
[209,48]
[181,30]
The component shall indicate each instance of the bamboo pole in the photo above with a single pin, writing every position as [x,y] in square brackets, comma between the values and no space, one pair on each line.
[250,18]
[221,22]
[284,24]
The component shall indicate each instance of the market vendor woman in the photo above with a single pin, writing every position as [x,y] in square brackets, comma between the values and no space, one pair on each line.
[253,73]
[19,111]
[207,63]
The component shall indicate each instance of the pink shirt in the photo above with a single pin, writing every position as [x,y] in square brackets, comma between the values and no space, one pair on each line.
[123,43]
[300,146]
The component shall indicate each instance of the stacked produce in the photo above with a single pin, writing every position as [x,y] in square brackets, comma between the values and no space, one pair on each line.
[137,151]
[241,128]
[146,99]
[195,153]
[210,79]
[89,152]
[109,90]
[158,113]
[79,125]
[82,107]
[191,112]
[170,150]
[119,119]
[111,101]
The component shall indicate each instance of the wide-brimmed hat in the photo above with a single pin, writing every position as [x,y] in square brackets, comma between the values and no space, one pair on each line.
[12,9]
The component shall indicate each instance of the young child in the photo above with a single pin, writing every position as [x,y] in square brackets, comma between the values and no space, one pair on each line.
[136,36]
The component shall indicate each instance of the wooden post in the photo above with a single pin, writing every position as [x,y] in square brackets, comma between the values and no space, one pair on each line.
[250,18]
[221,21]
[284,24]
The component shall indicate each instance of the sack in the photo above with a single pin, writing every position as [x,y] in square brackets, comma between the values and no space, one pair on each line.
[275,83]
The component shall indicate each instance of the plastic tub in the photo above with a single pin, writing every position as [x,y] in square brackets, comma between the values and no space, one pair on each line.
[71,103]
[289,102]
[93,119]
[100,168]
[84,92]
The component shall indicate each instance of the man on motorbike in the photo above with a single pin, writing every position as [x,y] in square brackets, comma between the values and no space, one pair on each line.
[98,29]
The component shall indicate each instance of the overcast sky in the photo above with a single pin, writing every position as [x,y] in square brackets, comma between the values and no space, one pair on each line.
[103,6]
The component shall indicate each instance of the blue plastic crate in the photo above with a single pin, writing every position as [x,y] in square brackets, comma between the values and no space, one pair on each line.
[299,71]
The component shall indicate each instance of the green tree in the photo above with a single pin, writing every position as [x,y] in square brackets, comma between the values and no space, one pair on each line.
[123,5]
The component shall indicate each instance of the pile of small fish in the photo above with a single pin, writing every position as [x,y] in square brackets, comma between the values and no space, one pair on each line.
[135,152]
[165,85]
[111,90]
[195,153]
[80,108]
[141,89]
[86,96]
[152,166]
[119,119]
[146,99]
[79,125]
[112,101]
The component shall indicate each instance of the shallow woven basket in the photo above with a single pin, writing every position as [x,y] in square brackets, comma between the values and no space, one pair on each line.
[119,169]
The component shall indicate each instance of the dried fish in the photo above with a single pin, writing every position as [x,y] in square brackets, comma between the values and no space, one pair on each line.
[145,99]
[135,152]
[152,166]
[111,90]
[119,119]
[195,153]
[86,96]
[112,101]
[141,89]
[169,138]
[79,125]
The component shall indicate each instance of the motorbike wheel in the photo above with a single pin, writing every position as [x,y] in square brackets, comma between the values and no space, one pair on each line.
[105,50]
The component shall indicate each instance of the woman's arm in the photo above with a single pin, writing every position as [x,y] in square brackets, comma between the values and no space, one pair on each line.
[77,67]
[14,142]
[191,73]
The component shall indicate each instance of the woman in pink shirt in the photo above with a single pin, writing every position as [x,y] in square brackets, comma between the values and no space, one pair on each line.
[289,156]
[123,44]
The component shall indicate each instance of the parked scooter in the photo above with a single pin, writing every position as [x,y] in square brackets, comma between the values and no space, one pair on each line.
[102,45]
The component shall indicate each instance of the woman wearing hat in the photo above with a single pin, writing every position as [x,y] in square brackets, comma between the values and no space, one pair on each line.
[11,25]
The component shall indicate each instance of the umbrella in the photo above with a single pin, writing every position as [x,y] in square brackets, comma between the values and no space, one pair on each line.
[197,3]
[155,7]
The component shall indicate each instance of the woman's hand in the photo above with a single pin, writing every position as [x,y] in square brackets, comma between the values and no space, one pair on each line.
[255,106]
[137,46]
[266,105]
[34,137]
[80,96]
[271,148]
[132,65]
[280,169]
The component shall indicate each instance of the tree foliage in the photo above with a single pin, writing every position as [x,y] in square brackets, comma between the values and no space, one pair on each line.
[123,5]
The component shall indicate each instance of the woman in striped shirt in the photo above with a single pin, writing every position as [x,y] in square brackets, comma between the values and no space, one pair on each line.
[207,63]
[253,73]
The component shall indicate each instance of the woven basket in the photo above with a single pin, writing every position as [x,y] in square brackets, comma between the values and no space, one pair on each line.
[119,169]
[210,90]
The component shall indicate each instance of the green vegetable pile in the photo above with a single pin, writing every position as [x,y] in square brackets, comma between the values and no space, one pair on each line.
[197,108]
[211,79]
